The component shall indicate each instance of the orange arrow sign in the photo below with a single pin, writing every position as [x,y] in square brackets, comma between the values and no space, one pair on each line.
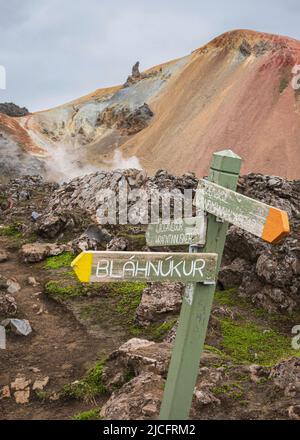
[264,221]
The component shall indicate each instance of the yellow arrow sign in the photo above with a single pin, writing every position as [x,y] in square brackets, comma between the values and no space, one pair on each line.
[146,266]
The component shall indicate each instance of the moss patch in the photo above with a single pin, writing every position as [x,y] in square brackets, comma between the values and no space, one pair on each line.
[10,231]
[92,414]
[88,387]
[284,80]
[129,296]
[63,260]
[227,297]
[136,241]
[232,390]
[158,332]
[56,290]
[247,342]
[114,304]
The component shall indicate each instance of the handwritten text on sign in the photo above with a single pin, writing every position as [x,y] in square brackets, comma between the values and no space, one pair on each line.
[134,266]
[190,231]
[269,223]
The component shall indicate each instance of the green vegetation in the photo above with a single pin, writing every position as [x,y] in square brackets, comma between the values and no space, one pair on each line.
[284,82]
[88,387]
[41,394]
[227,297]
[63,260]
[160,331]
[129,296]
[214,350]
[118,305]
[155,332]
[137,241]
[55,290]
[232,390]
[10,231]
[247,342]
[92,414]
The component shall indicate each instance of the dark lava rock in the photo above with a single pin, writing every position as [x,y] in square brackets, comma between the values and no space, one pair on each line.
[11,109]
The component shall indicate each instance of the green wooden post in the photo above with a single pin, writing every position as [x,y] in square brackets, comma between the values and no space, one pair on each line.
[196,305]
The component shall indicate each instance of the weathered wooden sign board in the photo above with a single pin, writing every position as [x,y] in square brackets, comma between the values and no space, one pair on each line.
[145,266]
[269,223]
[190,231]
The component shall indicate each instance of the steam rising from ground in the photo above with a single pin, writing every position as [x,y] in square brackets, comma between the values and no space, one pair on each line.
[61,165]
[65,165]
[14,162]
[123,163]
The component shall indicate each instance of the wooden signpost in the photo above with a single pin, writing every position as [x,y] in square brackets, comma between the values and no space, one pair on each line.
[198,268]
[264,221]
[189,231]
[145,266]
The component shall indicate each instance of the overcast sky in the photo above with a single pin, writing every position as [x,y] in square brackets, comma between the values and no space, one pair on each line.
[57,50]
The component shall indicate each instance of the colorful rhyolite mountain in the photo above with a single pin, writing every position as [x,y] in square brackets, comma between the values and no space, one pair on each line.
[235,92]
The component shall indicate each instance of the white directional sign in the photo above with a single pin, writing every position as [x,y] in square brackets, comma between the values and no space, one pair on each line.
[264,221]
[190,231]
[145,266]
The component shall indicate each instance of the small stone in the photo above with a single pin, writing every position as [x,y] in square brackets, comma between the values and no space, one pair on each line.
[18,326]
[257,372]
[294,412]
[40,384]
[66,366]
[35,215]
[32,282]
[206,397]
[117,244]
[150,409]
[5,393]
[34,369]
[20,383]
[8,305]
[13,286]
[54,397]
[22,396]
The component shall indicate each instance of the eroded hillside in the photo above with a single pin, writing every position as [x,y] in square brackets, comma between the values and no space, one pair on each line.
[233,92]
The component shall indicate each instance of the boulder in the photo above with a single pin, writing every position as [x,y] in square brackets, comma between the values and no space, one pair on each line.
[134,357]
[53,224]
[118,244]
[286,376]
[94,238]
[138,399]
[277,270]
[233,274]
[35,252]
[158,299]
